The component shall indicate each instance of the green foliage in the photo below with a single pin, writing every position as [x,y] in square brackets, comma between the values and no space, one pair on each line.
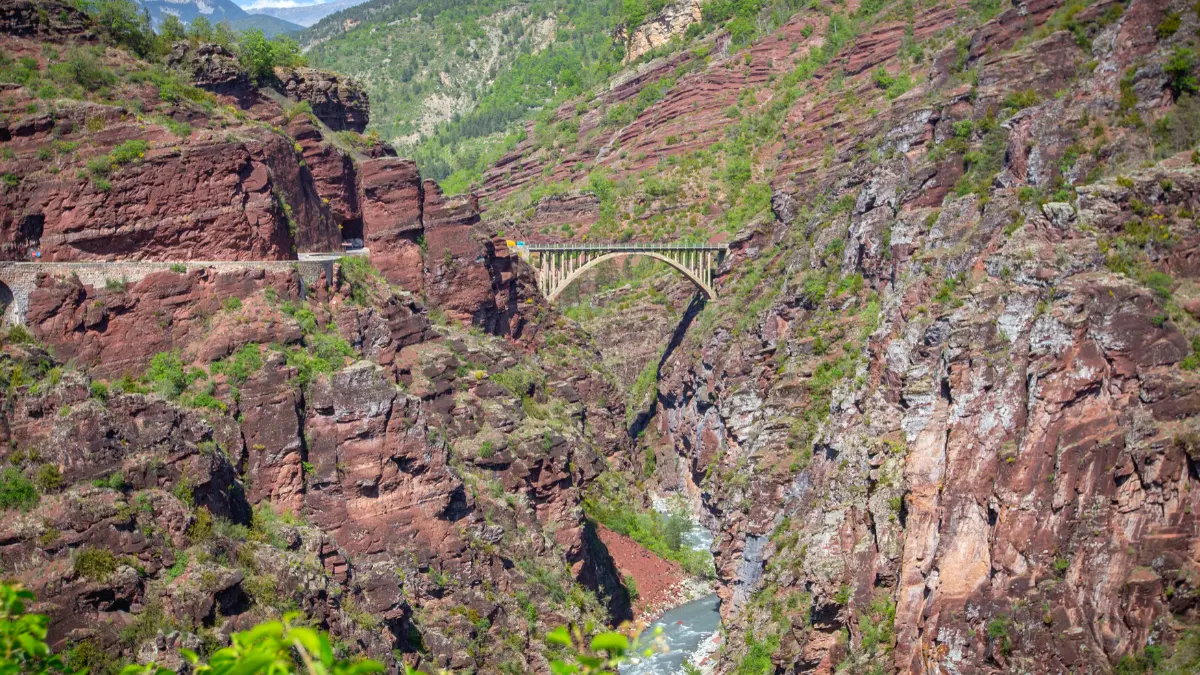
[83,71]
[128,152]
[259,55]
[631,587]
[126,23]
[757,660]
[239,366]
[644,390]
[201,527]
[1180,69]
[531,72]
[635,12]
[1169,25]
[611,505]
[1179,129]
[358,273]
[96,564]
[893,86]
[998,632]
[16,491]
[877,626]
[323,352]
[1019,100]
[90,655]
[48,478]
[23,648]
[603,654]
[167,376]
[520,380]
[285,647]
[1160,282]
[983,164]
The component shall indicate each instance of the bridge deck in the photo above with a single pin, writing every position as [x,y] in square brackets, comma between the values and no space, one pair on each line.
[533,248]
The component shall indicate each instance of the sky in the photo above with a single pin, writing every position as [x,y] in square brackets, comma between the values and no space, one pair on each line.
[259,4]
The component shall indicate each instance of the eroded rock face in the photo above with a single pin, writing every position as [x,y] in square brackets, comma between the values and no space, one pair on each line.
[45,21]
[361,454]
[116,330]
[150,213]
[336,100]
[392,202]
[671,21]
[211,67]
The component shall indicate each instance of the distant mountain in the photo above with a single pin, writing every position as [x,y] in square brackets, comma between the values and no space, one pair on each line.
[453,81]
[217,11]
[304,15]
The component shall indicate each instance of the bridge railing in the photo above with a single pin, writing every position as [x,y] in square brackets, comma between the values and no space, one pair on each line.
[534,248]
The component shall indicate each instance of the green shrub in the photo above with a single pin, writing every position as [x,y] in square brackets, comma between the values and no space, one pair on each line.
[1181,71]
[16,491]
[357,272]
[126,23]
[757,660]
[286,648]
[166,374]
[84,70]
[259,56]
[239,366]
[631,587]
[48,478]
[201,528]
[997,631]
[1169,25]
[95,564]
[1161,283]
[1019,100]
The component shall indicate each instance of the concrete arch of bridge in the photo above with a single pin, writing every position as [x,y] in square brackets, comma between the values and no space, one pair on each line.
[704,288]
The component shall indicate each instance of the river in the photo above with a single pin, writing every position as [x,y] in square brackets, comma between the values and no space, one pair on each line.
[691,632]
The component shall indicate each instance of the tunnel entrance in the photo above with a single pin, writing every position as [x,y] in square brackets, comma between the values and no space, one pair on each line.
[352,233]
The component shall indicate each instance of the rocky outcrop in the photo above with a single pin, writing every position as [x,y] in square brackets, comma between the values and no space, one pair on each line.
[672,21]
[983,444]
[37,20]
[392,201]
[145,211]
[115,330]
[360,452]
[211,67]
[336,100]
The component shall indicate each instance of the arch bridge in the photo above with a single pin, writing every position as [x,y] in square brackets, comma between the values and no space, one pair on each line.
[559,265]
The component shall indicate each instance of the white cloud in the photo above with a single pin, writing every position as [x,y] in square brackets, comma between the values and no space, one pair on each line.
[264,4]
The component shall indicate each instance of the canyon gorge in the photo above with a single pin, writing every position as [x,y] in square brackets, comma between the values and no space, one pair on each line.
[939,416]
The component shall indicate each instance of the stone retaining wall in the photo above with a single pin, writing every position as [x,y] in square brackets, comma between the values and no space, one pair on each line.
[21,277]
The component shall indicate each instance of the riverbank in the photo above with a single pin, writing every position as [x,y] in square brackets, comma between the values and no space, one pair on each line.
[660,584]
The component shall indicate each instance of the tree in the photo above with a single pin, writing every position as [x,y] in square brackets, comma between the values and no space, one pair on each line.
[285,52]
[172,30]
[256,55]
[223,35]
[127,24]
[201,30]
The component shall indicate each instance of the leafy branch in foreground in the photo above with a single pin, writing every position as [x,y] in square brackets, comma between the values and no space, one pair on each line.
[277,648]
